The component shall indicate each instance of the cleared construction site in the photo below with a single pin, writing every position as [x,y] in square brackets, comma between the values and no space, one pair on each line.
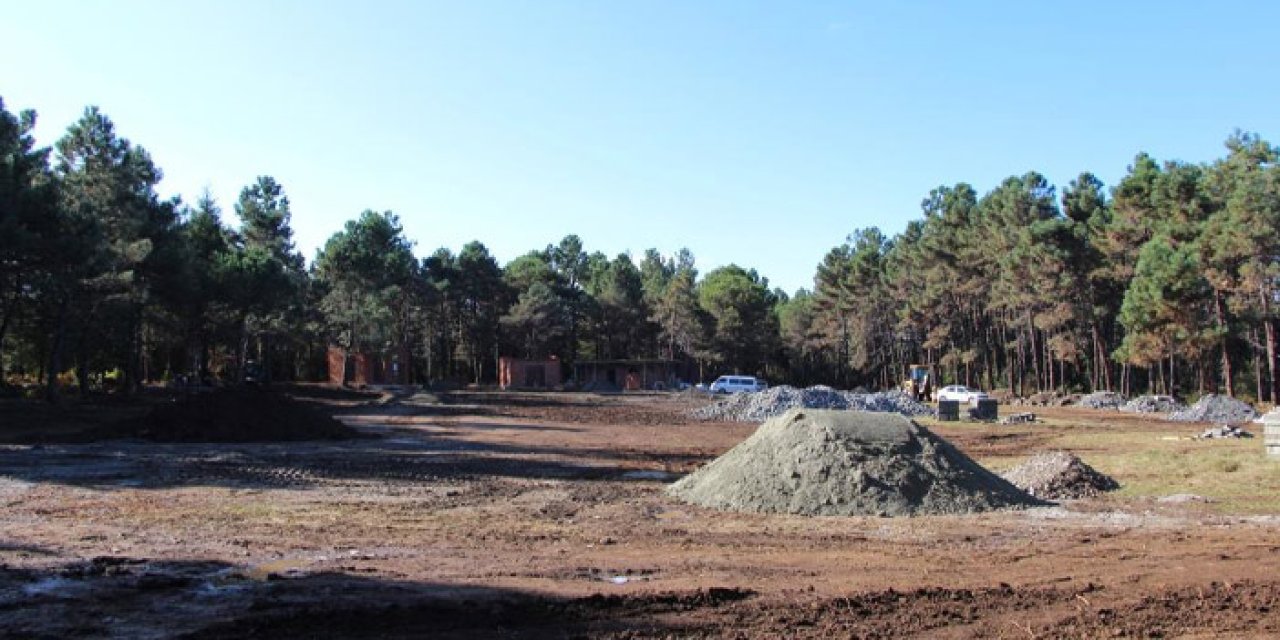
[401,512]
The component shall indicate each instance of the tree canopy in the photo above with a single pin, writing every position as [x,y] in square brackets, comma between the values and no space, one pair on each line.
[1168,281]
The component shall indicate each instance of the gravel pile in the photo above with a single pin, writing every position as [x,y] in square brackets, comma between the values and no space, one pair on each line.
[1152,404]
[762,405]
[1059,475]
[822,462]
[1216,408]
[1103,400]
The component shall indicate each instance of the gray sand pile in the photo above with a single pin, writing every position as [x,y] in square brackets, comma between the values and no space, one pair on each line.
[760,406]
[1215,408]
[1059,475]
[816,462]
[1102,400]
[1152,404]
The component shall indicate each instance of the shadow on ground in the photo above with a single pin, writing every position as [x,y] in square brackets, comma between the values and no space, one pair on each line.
[204,600]
[134,597]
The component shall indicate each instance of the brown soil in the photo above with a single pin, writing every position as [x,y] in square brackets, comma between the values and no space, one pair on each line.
[543,515]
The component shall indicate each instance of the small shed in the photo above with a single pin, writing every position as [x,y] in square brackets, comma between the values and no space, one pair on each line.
[514,373]
[363,368]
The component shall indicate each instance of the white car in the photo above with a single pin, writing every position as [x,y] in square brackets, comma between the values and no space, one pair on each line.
[737,384]
[961,393]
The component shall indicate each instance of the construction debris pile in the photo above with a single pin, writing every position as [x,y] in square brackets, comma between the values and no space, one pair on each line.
[1216,408]
[760,406]
[1102,400]
[234,415]
[1059,475]
[1223,431]
[1152,404]
[822,462]
[1049,399]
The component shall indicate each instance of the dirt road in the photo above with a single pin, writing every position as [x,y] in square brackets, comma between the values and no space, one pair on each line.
[540,515]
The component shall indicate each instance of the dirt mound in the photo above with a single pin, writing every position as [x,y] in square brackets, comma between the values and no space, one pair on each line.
[1059,475]
[1152,404]
[760,406]
[238,415]
[1216,408]
[815,462]
[1102,400]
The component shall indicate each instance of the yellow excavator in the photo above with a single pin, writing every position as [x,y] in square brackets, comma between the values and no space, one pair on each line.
[920,382]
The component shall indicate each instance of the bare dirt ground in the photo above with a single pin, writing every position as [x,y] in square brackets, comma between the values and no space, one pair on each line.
[543,515]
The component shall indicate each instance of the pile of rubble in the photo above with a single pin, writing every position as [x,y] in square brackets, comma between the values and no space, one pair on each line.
[1216,408]
[1102,400]
[1049,399]
[1152,404]
[1223,431]
[820,462]
[762,405]
[1059,475]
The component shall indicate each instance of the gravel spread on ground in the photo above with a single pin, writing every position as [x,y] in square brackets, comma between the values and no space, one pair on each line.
[1058,475]
[1216,408]
[825,462]
[762,405]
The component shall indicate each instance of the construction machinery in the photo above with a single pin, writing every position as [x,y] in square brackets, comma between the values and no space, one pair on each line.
[920,383]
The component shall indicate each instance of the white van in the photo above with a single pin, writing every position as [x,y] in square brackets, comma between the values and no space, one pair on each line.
[737,384]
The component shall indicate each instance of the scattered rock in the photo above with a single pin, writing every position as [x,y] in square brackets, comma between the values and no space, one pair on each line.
[1019,418]
[1152,404]
[823,462]
[1183,498]
[1223,431]
[1059,475]
[762,405]
[1103,400]
[1216,408]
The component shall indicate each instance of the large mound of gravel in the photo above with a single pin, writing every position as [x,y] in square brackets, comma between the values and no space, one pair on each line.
[1102,400]
[1216,408]
[823,462]
[1059,475]
[762,405]
[1152,404]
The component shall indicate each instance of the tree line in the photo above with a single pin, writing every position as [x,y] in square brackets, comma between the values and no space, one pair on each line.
[1166,282]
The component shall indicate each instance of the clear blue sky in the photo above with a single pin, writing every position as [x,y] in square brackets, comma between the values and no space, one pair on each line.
[754,133]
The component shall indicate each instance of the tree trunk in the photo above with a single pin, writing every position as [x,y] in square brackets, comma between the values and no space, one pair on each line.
[1269,326]
[1226,355]
[242,350]
[55,355]
[1035,355]
[1257,366]
[10,310]
[133,366]
[82,368]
